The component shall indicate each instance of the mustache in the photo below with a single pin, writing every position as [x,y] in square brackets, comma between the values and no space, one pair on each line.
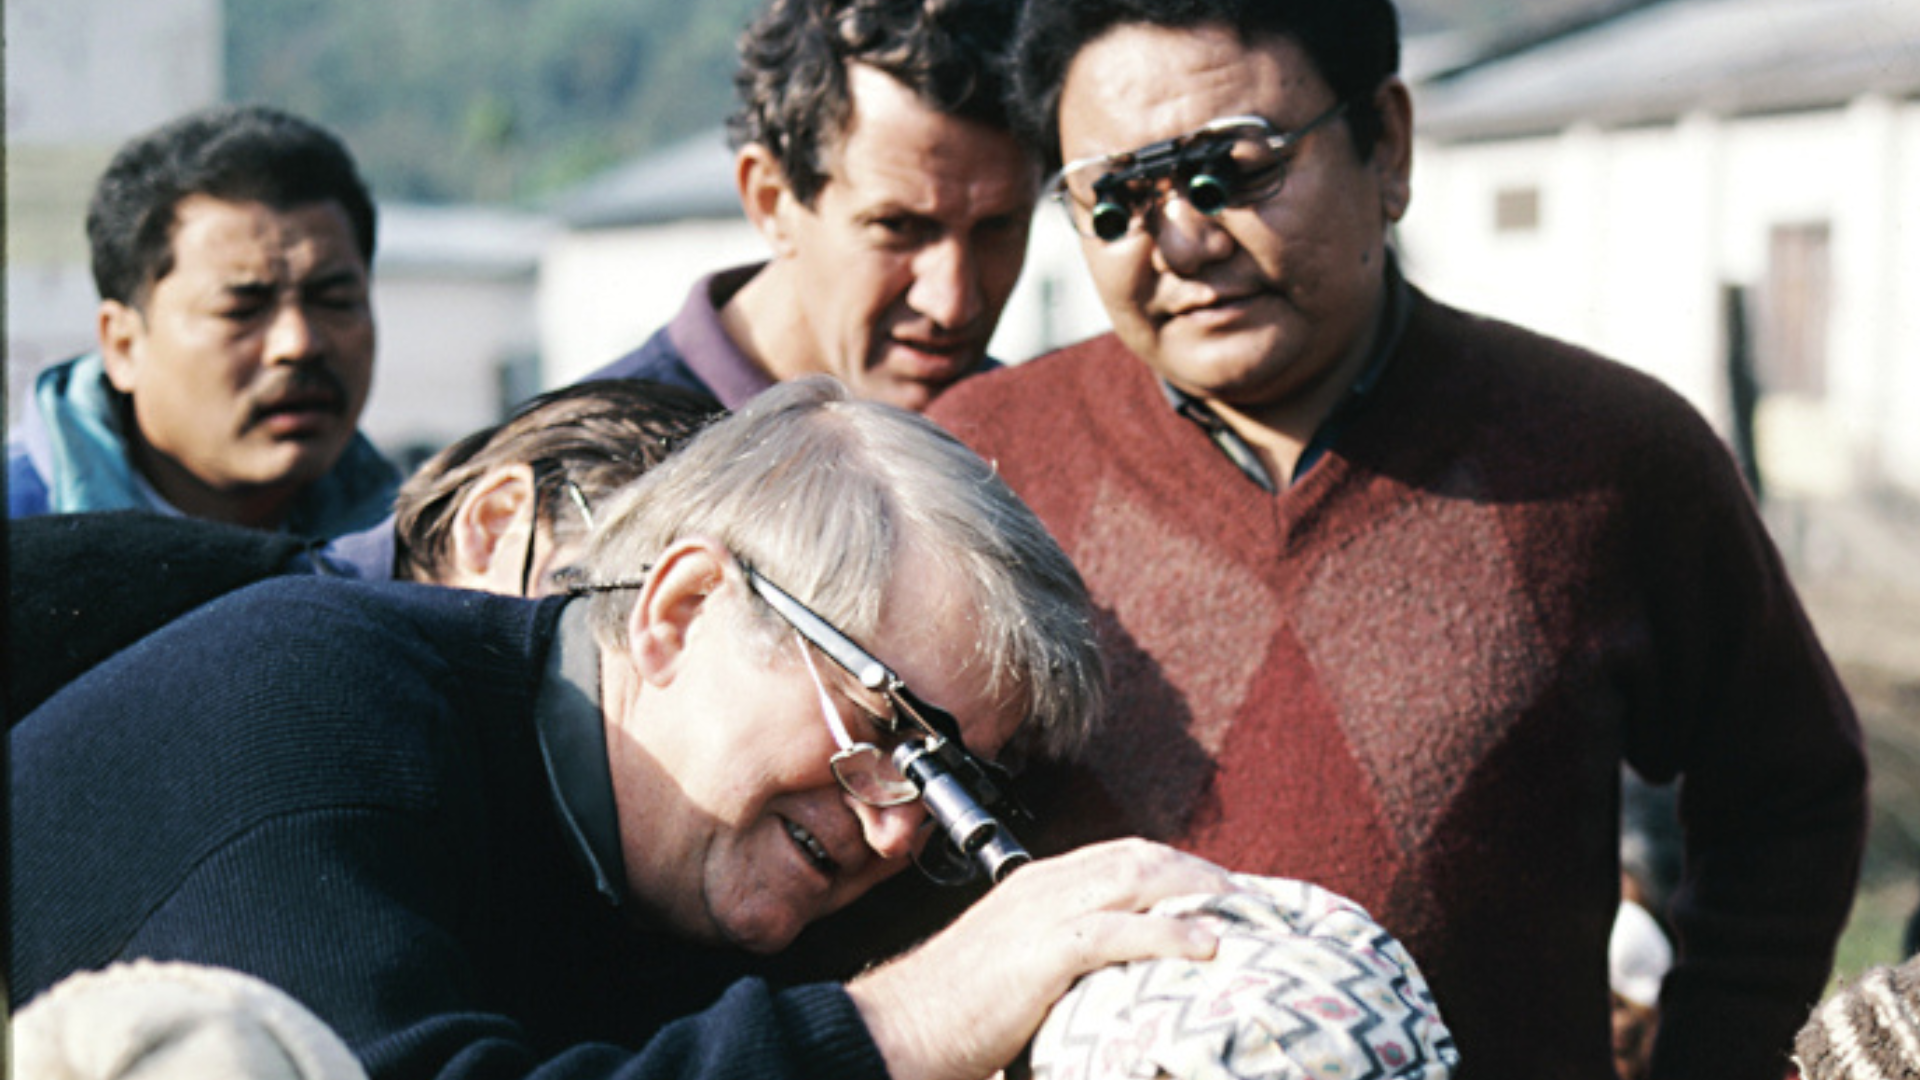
[305,387]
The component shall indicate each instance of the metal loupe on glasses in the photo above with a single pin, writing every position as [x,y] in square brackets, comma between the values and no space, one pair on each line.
[1232,161]
[966,796]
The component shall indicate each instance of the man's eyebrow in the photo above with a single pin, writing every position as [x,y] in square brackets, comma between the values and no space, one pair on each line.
[250,288]
[345,274]
[893,209]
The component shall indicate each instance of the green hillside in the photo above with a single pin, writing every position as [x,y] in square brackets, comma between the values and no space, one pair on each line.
[494,100]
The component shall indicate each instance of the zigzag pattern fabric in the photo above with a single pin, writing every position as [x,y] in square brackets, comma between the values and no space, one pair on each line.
[1305,986]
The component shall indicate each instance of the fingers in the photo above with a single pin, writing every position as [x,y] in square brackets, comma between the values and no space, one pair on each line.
[966,1001]
[1120,875]
[1103,939]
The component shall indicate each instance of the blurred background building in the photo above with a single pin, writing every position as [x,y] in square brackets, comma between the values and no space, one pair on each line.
[1718,191]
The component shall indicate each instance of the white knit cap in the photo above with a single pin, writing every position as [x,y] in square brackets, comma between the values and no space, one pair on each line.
[1638,955]
[1305,986]
[171,1021]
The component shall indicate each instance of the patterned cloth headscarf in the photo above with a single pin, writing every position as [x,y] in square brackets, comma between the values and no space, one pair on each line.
[1305,986]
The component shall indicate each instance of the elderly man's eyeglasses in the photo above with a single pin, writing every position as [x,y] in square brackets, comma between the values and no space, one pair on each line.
[863,769]
[967,796]
[1234,161]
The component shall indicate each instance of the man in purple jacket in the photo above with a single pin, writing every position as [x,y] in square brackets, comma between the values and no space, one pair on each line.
[872,153]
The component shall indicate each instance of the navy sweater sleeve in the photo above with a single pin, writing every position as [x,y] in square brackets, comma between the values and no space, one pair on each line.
[333,786]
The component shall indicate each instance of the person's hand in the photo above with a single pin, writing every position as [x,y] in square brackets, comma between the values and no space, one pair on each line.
[964,1003]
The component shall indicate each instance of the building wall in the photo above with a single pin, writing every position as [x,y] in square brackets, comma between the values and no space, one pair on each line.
[95,71]
[449,353]
[81,77]
[1055,303]
[605,291]
[1638,231]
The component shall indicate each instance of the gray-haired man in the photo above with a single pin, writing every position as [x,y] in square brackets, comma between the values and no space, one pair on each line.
[480,835]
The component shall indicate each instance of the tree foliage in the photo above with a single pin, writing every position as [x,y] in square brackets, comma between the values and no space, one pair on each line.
[509,100]
[489,100]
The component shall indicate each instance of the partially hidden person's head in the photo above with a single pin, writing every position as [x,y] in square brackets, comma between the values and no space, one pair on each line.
[731,717]
[232,250]
[873,154]
[146,1020]
[1304,986]
[1233,168]
[509,506]
[1868,1029]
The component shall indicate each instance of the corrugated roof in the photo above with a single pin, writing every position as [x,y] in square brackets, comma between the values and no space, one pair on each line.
[690,179]
[1661,61]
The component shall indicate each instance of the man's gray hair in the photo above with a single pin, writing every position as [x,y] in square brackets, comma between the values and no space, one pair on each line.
[821,493]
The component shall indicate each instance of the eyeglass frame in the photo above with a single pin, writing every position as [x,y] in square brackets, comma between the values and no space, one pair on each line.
[852,750]
[574,494]
[1162,162]
[941,732]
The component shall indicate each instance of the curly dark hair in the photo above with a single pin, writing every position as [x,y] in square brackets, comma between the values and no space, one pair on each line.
[792,81]
[243,153]
[1354,44]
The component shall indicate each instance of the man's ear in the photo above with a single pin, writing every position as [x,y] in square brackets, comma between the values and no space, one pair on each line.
[661,624]
[119,328]
[766,196]
[495,507]
[1393,153]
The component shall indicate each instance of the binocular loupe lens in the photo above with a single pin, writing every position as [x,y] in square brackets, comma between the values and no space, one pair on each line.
[1207,193]
[1109,220]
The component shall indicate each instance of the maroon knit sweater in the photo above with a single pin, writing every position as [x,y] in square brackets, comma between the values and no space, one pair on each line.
[1413,676]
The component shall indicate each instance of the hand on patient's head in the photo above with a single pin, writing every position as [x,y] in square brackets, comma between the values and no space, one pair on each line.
[1304,985]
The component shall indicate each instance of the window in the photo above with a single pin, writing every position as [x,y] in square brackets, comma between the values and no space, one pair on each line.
[1516,210]
[1795,298]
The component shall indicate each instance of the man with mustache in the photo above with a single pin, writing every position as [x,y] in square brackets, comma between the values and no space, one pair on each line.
[872,152]
[1392,590]
[232,250]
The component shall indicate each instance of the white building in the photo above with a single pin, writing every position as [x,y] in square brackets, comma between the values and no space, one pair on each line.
[1622,185]
[453,299]
[82,76]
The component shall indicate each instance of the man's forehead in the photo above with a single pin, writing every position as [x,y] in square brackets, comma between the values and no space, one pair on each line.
[229,234]
[893,133]
[1142,83]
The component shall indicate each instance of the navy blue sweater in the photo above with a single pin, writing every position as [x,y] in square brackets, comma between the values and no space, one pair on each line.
[337,787]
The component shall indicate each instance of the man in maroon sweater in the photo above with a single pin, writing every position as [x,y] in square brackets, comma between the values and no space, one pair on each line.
[1391,591]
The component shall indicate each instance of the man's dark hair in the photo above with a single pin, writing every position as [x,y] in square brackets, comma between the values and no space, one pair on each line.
[249,153]
[1354,44]
[792,81]
[595,435]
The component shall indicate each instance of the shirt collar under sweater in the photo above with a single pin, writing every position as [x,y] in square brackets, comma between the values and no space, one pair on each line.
[573,745]
[1393,321]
